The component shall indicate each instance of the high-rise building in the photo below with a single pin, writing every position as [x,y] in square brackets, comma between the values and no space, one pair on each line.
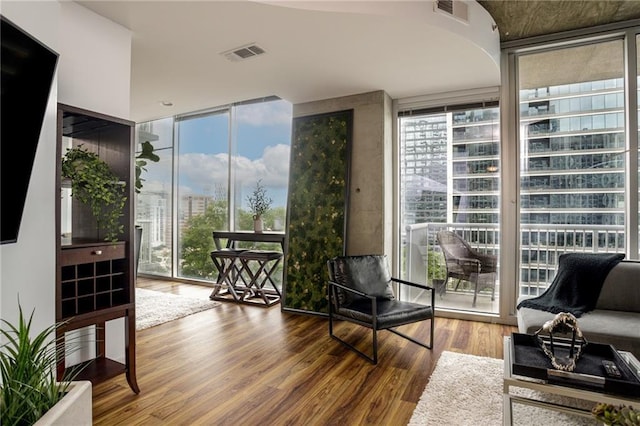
[572,171]
[450,166]
[573,154]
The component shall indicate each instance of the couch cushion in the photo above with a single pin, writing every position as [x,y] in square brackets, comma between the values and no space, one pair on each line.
[617,328]
[621,288]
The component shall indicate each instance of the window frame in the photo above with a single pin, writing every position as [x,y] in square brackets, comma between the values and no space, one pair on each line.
[231,200]
[510,126]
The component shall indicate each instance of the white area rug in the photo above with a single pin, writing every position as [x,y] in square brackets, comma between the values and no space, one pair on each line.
[466,390]
[157,307]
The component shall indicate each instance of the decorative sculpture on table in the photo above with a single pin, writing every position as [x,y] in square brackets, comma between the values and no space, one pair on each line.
[563,323]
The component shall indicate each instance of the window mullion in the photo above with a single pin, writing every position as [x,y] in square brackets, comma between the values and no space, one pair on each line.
[631,119]
[231,186]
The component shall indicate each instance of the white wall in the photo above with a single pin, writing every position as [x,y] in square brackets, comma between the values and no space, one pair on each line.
[95,64]
[94,69]
[27,268]
[95,74]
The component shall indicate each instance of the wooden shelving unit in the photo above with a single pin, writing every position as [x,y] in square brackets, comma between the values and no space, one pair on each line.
[95,280]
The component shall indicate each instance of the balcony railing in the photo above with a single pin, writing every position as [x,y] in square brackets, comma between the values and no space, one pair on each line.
[540,247]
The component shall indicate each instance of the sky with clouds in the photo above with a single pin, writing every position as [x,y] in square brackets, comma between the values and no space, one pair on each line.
[262,136]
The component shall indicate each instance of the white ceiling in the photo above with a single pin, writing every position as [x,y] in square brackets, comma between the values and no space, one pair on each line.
[315,50]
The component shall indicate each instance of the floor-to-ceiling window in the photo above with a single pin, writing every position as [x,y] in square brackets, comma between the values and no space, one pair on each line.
[572,156]
[568,175]
[577,148]
[154,201]
[202,187]
[637,38]
[262,135]
[209,162]
[449,163]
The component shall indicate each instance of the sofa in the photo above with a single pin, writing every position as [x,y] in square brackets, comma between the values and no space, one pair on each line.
[616,317]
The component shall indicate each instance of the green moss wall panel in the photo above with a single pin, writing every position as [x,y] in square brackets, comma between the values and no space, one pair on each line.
[317,206]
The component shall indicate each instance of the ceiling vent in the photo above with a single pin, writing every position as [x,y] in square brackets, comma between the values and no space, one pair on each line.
[243,52]
[457,9]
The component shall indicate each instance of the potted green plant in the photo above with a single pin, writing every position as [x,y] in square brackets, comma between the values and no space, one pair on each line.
[259,204]
[437,270]
[29,391]
[147,153]
[94,184]
[616,415]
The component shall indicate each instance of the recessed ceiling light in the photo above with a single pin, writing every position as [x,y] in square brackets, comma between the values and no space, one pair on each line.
[166,103]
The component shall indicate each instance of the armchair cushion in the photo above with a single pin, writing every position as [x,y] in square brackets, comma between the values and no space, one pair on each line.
[367,274]
[389,313]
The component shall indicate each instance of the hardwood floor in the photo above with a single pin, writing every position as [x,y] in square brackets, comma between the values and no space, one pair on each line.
[247,365]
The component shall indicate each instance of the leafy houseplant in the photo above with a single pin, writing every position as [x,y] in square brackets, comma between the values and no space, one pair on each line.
[437,270]
[29,387]
[259,204]
[436,265]
[146,154]
[94,184]
[616,416]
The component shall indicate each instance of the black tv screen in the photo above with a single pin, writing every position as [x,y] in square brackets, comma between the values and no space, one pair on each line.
[28,67]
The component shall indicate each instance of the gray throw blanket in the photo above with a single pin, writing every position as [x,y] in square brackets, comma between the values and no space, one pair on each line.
[576,287]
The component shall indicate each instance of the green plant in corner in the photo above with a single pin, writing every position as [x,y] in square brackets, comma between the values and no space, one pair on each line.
[94,184]
[436,265]
[259,203]
[616,415]
[147,153]
[29,388]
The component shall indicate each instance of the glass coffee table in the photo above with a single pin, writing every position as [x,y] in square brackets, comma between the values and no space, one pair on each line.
[572,402]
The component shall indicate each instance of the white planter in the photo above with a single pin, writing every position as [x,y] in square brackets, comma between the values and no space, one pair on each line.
[257,224]
[76,408]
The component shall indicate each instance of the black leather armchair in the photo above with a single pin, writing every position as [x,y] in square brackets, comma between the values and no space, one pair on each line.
[465,263]
[360,291]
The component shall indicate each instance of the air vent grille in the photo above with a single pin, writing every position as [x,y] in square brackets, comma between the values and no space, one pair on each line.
[454,8]
[445,6]
[243,52]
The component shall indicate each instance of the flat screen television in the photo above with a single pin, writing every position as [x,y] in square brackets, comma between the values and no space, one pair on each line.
[27,73]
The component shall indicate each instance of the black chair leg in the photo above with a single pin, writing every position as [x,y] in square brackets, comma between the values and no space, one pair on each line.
[411,339]
[457,285]
[493,288]
[372,359]
[475,294]
[443,290]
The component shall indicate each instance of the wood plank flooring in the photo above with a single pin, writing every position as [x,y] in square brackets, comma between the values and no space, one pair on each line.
[248,365]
